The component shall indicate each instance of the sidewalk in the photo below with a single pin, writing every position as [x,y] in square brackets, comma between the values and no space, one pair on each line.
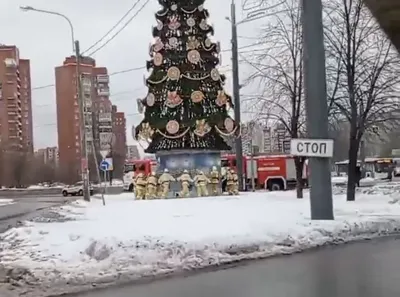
[127,239]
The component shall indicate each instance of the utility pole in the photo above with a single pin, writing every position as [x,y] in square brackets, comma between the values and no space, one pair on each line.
[84,148]
[236,95]
[316,107]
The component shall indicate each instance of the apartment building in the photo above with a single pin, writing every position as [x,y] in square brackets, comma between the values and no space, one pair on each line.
[16,129]
[102,110]
[119,131]
[132,152]
[95,92]
[48,155]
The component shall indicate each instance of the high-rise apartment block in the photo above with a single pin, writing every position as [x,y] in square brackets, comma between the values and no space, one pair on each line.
[119,131]
[97,110]
[132,152]
[271,139]
[16,129]
[48,156]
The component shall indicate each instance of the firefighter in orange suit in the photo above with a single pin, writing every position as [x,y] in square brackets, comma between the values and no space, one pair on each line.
[165,180]
[201,181]
[140,186]
[151,190]
[229,182]
[214,181]
[235,184]
[185,180]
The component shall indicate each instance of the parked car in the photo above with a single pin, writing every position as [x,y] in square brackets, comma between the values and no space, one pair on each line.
[76,189]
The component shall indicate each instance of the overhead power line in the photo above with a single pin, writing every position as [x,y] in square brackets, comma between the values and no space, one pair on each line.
[113,27]
[120,30]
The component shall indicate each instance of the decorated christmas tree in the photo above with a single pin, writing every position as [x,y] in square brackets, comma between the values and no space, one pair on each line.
[186,107]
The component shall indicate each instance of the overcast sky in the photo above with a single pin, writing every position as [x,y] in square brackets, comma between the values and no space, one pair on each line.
[46,41]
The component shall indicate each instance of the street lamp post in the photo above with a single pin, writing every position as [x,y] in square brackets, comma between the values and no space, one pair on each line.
[251,16]
[76,49]
[236,95]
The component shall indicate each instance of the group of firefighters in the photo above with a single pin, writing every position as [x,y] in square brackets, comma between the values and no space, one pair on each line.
[153,187]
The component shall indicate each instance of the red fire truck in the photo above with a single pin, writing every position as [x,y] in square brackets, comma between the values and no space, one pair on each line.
[271,172]
[134,167]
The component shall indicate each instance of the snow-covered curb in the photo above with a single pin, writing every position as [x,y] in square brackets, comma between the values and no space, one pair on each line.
[194,260]
[112,260]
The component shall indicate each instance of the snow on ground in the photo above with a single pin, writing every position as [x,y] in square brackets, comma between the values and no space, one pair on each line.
[364,182]
[115,183]
[4,202]
[37,187]
[339,180]
[129,239]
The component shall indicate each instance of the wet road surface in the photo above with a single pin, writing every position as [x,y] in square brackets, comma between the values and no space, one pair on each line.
[367,269]
[26,207]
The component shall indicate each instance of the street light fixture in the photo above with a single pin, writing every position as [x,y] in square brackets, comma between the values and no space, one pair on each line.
[30,8]
[76,49]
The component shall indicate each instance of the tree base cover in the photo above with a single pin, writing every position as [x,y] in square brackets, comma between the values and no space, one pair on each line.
[187,142]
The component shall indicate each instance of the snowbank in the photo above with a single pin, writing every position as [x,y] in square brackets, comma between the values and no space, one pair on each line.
[130,239]
[4,202]
[339,180]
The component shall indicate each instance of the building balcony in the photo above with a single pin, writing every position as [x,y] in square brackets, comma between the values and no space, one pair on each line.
[10,63]
[105,117]
[86,81]
[105,127]
[88,102]
[103,78]
[14,108]
[103,92]
[105,137]
[87,90]
[89,135]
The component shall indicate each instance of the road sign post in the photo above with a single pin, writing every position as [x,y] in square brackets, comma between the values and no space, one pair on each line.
[315,149]
[316,106]
[320,148]
[104,166]
[104,153]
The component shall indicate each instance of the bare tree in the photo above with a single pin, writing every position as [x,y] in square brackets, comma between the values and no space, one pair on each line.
[279,74]
[366,69]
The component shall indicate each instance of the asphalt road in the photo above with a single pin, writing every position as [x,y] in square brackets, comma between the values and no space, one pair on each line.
[367,269]
[25,207]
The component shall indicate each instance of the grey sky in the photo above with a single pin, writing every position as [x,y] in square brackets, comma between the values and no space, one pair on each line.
[46,40]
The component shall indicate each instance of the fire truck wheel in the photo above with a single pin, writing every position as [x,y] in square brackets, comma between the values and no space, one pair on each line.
[275,186]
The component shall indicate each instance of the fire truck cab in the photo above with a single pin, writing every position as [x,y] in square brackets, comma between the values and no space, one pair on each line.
[134,167]
[271,172]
